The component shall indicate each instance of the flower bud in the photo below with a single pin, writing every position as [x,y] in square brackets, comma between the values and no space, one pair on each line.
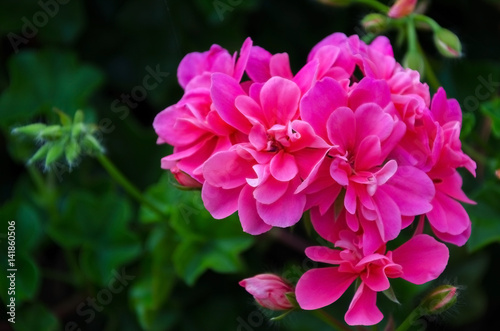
[269,291]
[51,132]
[91,145]
[55,151]
[497,173]
[72,151]
[414,60]
[402,8]
[374,23]
[32,130]
[184,179]
[447,43]
[439,300]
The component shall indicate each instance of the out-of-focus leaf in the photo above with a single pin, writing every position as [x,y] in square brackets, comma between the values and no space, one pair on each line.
[485,217]
[192,258]
[26,233]
[492,110]
[39,81]
[66,22]
[100,225]
[36,317]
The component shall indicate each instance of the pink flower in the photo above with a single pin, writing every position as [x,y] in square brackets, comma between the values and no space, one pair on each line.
[259,178]
[362,133]
[419,260]
[192,126]
[269,291]
[402,8]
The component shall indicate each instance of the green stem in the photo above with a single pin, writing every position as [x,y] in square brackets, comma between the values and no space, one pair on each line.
[412,35]
[427,20]
[374,4]
[430,76]
[127,185]
[411,319]
[330,320]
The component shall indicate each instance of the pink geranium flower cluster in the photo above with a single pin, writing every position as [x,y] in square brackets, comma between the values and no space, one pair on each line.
[353,137]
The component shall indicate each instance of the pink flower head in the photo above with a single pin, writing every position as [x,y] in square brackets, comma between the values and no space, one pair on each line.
[362,130]
[259,178]
[269,291]
[419,260]
[402,8]
[192,126]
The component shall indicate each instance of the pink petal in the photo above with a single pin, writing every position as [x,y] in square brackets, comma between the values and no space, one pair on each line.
[320,102]
[241,64]
[280,66]
[250,220]
[342,128]
[455,239]
[258,64]
[279,99]
[326,225]
[220,202]
[270,191]
[422,257]
[363,308]
[283,166]
[411,189]
[224,91]
[368,154]
[324,254]
[372,120]
[370,90]
[318,288]
[227,170]
[448,215]
[286,211]
[389,216]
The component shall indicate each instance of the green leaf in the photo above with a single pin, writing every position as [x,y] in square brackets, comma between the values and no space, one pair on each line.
[36,317]
[100,226]
[39,81]
[27,235]
[485,217]
[492,110]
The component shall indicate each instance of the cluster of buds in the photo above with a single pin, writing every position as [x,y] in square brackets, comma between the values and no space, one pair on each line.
[72,139]
[404,12]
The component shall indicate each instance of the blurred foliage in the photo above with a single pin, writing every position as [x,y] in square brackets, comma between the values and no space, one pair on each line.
[79,237]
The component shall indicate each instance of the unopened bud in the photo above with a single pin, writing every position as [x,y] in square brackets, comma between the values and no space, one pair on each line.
[91,145]
[78,118]
[415,61]
[439,300]
[374,23]
[184,179]
[447,43]
[497,173]
[72,151]
[55,151]
[336,3]
[52,132]
[32,130]
[40,154]
[269,290]
[402,8]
